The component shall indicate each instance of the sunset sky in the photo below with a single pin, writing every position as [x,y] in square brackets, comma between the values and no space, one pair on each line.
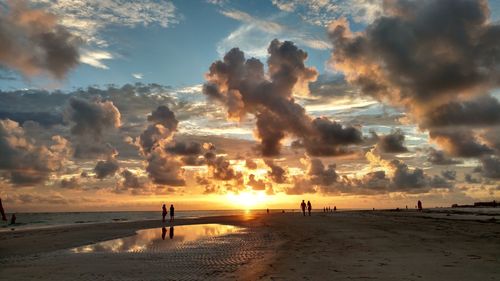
[221,104]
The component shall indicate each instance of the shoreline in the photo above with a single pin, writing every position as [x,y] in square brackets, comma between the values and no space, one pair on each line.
[379,245]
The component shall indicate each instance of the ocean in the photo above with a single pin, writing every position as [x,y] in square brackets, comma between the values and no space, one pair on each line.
[44,220]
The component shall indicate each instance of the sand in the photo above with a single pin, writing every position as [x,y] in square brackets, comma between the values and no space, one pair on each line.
[379,245]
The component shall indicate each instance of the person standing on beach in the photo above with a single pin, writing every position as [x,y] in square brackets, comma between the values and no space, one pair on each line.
[303,207]
[164,212]
[419,205]
[4,217]
[309,207]
[172,209]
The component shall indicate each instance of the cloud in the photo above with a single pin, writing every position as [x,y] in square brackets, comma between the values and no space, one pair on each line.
[95,58]
[185,148]
[299,187]
[130,180]
[138,75]
[88,18]
[70,183]
[108,167]
[250,164]
[92,117]
[461,143]
[256,184]
[323,12]
[438,157]
[220,168]
[479,112]
[242,86]
[24,162]
[449,174]
[162,167]
[391,143]
[33,43]
[277,173]
[254,35]
[319,174]
[490,167]
[435,58]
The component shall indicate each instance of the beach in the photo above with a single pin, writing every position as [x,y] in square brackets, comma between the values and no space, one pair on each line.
[357,245]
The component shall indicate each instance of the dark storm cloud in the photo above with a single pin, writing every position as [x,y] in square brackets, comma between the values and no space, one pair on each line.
[185,148]
[106,168]
[165,117]
[162,167]
[220,168]
[92,117]
[243,87]
[23,161]
[33,43]
[391,143]
[434,51]
[256,184]
[469,179]
[449,174]
[46,119]
[318,174]
[490,167]
[460,143]
[438,157]
[432,57]
[405,178]
[482,111]
[277,173]
[300,186]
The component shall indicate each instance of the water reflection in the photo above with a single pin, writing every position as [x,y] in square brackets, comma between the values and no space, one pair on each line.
[154,240]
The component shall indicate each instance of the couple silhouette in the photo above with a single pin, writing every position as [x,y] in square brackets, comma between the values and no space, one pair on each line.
[303,206]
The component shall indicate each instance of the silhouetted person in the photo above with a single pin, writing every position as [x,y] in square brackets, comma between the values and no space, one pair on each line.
[13,219]
[4,217]
[163,233]
[164,212]
[171,233]
[303,207]
[419,205]
[334,208]
[172,209]
[268,211]
[309,207]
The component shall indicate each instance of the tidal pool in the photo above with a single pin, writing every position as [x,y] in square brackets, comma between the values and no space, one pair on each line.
[160,239]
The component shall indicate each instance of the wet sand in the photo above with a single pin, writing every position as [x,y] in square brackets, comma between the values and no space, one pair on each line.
[378,245]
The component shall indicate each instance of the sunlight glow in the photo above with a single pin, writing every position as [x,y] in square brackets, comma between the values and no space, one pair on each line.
[248,199]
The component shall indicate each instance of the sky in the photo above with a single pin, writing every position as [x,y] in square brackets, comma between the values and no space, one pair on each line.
[220,104]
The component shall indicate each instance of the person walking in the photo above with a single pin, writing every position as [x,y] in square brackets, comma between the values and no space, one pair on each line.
[172,209]
[303,207]
[309,207]
[2,212]
[164,212]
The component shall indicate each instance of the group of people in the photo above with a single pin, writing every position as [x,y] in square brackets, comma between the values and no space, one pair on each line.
[303,206]
[165,212]
[329,210]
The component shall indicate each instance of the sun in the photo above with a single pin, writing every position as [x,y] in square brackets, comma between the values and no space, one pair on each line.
[248,199]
